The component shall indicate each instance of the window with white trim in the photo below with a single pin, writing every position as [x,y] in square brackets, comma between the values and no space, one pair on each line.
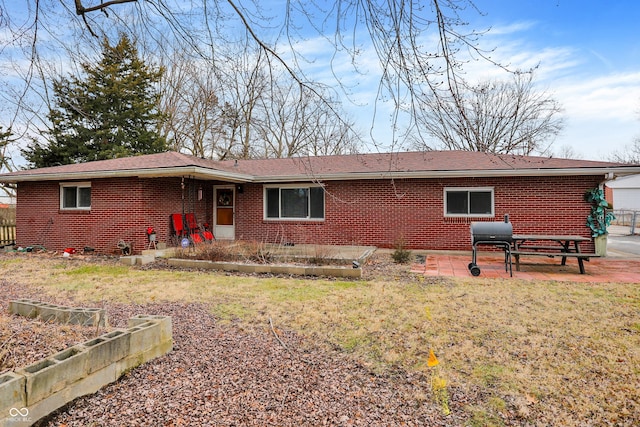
[75,195]
[294,202]
[469,202]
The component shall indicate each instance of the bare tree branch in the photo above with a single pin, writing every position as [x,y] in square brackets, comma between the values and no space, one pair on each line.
[417,43]
[629,155]
[495,117]
[81,10]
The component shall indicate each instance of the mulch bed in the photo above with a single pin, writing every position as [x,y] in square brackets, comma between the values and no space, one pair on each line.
[25,341]
[231,375]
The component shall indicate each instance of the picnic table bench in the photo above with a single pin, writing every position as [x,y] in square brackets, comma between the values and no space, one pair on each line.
[550,246]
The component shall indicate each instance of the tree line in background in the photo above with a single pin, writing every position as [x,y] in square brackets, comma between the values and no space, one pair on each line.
[223,80]
[121,106]
[246,109]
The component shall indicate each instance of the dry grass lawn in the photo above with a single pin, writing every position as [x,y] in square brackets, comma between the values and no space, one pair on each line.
[531,353]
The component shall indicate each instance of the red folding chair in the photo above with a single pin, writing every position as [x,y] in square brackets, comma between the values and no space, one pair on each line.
[206,233]
[177,229]
[193,228]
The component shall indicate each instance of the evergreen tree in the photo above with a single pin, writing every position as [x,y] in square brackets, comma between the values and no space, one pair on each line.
[111,111]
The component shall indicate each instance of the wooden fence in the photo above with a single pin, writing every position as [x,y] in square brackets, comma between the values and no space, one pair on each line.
[7,233]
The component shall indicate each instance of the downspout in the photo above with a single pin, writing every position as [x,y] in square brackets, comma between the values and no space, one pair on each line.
[609,176]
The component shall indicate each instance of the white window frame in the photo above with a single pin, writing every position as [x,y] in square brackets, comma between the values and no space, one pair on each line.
[470,190]
[78,186]
[292,186]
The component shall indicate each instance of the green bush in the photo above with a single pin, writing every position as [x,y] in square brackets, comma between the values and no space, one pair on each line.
[401,255]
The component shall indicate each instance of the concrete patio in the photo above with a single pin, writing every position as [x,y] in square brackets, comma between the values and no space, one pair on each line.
[622,264]
[609,269]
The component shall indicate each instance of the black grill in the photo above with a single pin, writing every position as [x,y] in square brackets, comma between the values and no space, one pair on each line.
[488,232]
[498,234]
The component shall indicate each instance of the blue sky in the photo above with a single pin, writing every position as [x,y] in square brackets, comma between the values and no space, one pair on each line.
[589,54]
[588,58]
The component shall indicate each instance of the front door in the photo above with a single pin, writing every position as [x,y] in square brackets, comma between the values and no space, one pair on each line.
[224,212]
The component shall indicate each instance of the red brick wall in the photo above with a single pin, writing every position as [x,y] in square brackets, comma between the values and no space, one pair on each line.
[365,212]
[383,212]
[121,209]
[608,194]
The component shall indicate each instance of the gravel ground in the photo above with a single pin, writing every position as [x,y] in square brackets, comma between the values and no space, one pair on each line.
[228,375]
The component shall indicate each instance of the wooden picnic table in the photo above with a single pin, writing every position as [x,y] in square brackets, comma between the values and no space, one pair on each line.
[550,245]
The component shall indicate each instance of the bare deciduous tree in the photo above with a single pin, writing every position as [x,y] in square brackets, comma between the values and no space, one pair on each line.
[5,140]
[495,116]
[327,136]
[191,99]
[248,81]
[243,108]
[567,152]
[6,164]
[297,124]
[630,154]
[417,43]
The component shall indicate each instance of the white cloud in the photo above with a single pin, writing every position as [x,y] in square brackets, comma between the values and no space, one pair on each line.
[601,106]
[612,96]
[512,28]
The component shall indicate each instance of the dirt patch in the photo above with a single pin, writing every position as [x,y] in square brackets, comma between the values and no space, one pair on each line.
[24,341]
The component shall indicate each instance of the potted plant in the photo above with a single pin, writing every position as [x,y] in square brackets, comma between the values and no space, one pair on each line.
[599,219]
[151,234]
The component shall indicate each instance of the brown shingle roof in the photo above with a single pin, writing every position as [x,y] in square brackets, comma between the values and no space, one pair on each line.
[428,164]
[431,161]
[170,159]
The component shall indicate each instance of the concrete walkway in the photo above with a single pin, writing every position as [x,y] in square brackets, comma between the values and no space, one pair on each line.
[622,243]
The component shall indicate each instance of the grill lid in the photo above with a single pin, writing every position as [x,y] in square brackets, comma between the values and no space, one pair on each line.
[491,232]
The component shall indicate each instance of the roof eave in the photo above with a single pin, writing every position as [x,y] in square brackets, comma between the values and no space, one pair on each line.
[191,171]
[214,174]
[607,173]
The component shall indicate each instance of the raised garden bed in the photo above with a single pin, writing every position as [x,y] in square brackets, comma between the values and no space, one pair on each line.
[253,258]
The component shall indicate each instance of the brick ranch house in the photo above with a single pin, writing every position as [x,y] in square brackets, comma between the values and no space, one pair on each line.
[425,199]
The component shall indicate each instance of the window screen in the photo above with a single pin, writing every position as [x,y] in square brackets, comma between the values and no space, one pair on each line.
[75,196]
[469,202]
[294,202]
